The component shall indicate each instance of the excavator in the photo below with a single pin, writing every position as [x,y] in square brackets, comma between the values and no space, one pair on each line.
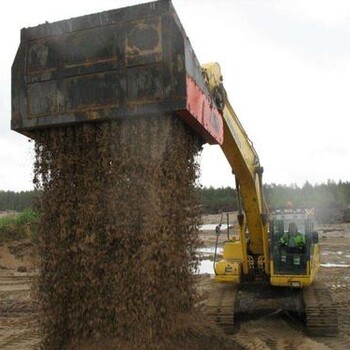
[258,273]
[138,62]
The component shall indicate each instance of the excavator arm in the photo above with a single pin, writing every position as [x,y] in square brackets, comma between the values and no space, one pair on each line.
[245,164]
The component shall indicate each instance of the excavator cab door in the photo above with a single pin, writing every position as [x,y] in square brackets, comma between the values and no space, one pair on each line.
[288,256]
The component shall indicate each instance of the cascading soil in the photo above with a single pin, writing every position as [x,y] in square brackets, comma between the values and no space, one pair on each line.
[118,230]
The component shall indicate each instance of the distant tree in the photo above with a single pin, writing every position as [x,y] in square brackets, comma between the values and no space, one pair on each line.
[217,200]
[17,201]
[331,200]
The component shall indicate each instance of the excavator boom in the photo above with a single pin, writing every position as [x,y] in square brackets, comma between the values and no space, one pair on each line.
[245,164]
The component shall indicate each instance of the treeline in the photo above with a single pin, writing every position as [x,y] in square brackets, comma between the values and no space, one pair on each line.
[17,201]
[330,194]
[218,200]
[331,199]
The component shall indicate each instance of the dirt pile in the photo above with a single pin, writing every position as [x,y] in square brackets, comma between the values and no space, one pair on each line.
[118,230]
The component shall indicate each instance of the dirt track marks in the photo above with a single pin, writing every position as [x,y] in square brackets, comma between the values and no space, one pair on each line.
[17,313]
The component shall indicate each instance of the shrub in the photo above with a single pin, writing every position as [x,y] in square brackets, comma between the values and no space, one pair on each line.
[18,226]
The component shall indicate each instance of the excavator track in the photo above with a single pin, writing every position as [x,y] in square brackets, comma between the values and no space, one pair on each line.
[220,306]
[320,311]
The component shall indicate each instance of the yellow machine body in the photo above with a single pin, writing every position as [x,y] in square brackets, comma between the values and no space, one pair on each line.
[298,281]
[229,269]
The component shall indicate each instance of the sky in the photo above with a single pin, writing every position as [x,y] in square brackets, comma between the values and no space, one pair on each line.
[286,70]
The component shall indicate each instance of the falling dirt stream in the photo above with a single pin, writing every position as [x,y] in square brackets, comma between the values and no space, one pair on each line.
[118,231]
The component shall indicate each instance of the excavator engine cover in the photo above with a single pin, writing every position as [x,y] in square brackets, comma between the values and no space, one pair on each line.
[129,62]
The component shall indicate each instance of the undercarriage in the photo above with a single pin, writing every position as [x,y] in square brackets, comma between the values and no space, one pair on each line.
[313,307]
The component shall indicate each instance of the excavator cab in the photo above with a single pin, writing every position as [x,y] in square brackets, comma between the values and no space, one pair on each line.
[294,247]
[288,257]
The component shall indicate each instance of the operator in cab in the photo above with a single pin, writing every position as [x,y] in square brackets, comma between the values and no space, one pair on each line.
[293,239]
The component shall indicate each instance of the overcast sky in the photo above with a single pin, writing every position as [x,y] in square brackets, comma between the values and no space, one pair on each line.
[286,69]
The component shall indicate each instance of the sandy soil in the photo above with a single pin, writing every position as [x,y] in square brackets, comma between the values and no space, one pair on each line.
[7,213]
[277,331]
[17,312]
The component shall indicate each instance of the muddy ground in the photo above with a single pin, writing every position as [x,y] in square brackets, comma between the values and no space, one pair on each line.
[277,331]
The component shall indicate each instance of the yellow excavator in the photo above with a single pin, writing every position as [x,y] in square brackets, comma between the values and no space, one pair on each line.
[138,62]
[261,271]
